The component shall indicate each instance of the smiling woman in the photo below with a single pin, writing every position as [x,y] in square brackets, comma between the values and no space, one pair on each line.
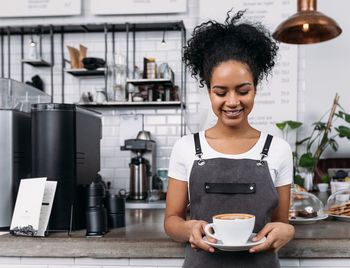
[232,93]
[231,167]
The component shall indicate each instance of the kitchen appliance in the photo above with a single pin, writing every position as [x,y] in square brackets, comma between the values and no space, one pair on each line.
[66,148]
[142,165]
[15,139]
[14,159]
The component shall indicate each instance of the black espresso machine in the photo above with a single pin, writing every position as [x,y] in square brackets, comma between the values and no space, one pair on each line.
[66,148]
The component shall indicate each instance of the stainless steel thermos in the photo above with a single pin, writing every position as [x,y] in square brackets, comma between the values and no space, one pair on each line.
[139,168]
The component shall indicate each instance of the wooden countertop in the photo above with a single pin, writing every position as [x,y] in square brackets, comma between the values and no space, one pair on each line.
[144,237]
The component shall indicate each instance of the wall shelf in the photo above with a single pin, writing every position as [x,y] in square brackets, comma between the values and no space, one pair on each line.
[37,63]
[145,81]
[130,29]
[134,104]
[85,72]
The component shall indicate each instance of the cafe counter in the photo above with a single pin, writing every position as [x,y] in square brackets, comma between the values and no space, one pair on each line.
[144,237]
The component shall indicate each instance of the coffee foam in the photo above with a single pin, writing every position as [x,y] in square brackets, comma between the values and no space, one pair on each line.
[233,216]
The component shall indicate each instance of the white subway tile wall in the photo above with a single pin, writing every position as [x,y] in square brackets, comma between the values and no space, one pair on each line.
[164,124]
[22,262]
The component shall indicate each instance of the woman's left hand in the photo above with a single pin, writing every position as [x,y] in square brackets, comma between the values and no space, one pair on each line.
[278,234]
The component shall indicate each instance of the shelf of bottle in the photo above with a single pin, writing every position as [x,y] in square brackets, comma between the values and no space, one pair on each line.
[136,104]
[146,81]
[85,72]
[36,62]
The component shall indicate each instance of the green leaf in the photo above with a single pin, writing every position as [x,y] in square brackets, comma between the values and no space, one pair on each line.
[334,144]
[324,178]
[340,114]
[299,180]
[343,132]
[281,125]
[302,141]
[319,126]
[346,117]
[307,161]
[293,124]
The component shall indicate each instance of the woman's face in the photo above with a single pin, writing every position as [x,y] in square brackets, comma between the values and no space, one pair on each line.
[232,93]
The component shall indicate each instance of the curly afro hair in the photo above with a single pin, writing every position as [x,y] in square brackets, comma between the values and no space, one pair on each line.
[213,43]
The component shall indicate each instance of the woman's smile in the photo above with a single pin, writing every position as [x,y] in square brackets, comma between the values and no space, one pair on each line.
[232,114]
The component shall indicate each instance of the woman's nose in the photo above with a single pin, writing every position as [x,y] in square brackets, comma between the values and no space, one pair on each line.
[232,99]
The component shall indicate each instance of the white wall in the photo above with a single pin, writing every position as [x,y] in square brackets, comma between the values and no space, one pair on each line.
[164,124]
[323,70]
[25,262]
[327,71]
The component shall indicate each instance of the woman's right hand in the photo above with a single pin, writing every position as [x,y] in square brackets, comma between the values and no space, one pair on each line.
[196,236]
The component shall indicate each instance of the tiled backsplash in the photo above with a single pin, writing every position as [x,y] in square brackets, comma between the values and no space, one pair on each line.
[23,262]
[164,123]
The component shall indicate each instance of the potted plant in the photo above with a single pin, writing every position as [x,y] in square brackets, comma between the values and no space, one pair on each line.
[323,135]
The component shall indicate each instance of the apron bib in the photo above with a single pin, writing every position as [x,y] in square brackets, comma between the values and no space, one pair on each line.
[222,185]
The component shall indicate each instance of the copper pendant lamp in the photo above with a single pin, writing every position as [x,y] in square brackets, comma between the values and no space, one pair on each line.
[307,26]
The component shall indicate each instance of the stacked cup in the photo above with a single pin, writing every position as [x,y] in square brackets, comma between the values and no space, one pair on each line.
[96,214]
[116,210]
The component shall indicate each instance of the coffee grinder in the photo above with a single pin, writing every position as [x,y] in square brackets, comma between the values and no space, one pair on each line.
[142,165]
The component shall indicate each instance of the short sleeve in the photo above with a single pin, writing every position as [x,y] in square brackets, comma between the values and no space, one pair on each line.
[177,162]
[285,167]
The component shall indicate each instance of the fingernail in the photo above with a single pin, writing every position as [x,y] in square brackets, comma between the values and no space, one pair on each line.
[211,250]
[254,238]
[252,251]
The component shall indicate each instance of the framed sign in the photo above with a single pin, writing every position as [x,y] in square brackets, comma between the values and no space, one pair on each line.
[121,7]
[42,8]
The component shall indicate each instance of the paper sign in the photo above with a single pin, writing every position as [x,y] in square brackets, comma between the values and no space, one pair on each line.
[33,8]
[104,7]
[33,207]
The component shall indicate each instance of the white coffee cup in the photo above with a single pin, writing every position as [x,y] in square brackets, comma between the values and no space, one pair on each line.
[232,229]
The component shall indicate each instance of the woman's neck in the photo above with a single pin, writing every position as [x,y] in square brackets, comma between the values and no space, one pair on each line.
[222,131]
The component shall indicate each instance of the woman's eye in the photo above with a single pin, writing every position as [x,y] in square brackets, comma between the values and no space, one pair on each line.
[220,94]
[243,92]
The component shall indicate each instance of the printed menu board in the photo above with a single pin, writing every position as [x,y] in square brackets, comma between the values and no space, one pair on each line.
[104,7]
[42,8]
[276,99]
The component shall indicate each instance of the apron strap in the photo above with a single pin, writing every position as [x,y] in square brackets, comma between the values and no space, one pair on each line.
[265,150]
[197,146]
[267,145]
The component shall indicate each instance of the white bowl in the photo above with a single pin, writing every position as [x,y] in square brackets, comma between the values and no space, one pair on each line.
[323,187]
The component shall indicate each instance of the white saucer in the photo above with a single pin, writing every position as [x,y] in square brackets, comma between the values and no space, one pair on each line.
[301,220]
[243,247]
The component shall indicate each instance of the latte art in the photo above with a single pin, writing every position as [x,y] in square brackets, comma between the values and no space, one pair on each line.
[233,216]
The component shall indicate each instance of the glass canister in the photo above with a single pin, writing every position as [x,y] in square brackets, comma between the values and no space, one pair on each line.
[162,174]
[118,78]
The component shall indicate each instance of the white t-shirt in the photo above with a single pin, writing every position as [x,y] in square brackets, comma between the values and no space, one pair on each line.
[279,159]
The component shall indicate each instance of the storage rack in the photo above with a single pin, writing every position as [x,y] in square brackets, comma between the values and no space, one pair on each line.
[128,28]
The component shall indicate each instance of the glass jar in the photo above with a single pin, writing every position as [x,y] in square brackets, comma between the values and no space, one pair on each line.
[117,78]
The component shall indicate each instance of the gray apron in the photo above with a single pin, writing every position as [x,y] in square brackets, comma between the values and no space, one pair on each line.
[222,185]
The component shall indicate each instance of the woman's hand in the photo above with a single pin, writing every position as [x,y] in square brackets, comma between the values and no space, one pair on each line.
[278,234]
[196,236]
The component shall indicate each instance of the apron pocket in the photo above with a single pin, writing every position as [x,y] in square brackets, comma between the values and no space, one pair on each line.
[229,188]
